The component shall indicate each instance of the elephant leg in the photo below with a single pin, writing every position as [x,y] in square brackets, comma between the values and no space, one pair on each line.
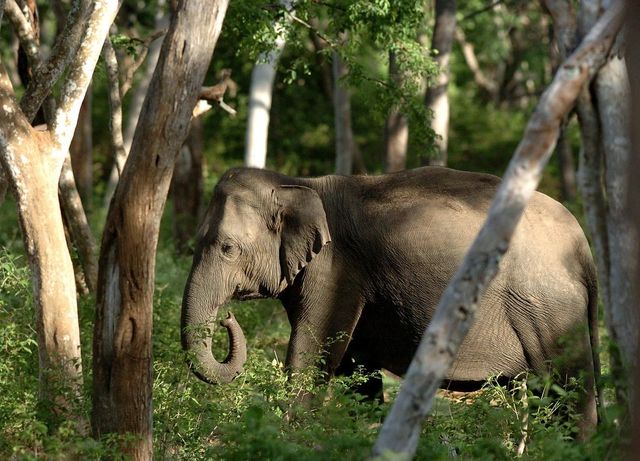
[355,361]
[581,367]
[322,323]
[570,357]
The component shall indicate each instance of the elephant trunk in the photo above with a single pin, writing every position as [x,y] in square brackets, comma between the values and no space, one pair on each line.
[196,335]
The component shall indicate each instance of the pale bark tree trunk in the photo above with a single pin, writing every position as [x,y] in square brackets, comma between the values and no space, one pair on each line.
[604,120]
[396,128]
[260,95]
[135,105]
[33,161]
[623,317]
[122,378]
[186,187]
[455,312]
[437,96]
[342,117]
[72,209]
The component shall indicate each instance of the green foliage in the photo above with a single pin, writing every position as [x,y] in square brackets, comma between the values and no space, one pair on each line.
[255,416]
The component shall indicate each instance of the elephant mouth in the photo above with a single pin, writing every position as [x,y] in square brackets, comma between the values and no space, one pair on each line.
[247,295]
[244,295]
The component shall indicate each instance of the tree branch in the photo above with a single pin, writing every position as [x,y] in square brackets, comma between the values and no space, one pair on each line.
[80,73]
[472,63]
[564,24]
[127,80]
[24,31]
[115,105]
[47,74]
[455,312]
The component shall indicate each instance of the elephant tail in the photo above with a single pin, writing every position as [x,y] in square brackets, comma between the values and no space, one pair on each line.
[594,338]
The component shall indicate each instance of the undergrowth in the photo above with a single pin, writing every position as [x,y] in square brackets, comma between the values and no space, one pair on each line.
[253,417]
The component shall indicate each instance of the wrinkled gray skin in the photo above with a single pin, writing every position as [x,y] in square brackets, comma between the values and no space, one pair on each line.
[369,256]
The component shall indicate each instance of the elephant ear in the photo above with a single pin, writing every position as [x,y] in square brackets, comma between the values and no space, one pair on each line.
[303,228]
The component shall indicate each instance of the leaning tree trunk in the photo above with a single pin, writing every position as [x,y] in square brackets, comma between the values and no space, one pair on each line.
[437,96]
[122,372]
[396,128]
[455,312]
[33,161]
[260,95]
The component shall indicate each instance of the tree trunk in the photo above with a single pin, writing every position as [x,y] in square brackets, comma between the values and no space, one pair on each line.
[455,312]
[33,161]
[342,118]
[564,37]
[122,372]
[186,187]
[73,211]
[135,105]
[80,232]
[633,197]
[396,128]
[81,151]
[260,95]
[623,317]
[437,97]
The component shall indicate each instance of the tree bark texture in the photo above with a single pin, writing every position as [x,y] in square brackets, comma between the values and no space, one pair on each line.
[33,161]
[76,220]
[437,96]
[633,196]
[396,128]
[64,50]
[260,95]
[564,37]
[342,117]
[73,211]
[604,119]
[122,365]
[186,187]
[455,312]
[135,105]
[118,150]
[622,315]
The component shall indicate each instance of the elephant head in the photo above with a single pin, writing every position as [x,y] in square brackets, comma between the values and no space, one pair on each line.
[257,235]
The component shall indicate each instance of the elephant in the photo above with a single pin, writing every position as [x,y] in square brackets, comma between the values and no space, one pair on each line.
[365,259]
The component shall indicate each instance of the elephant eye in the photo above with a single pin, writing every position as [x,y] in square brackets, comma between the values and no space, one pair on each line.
[229,249]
